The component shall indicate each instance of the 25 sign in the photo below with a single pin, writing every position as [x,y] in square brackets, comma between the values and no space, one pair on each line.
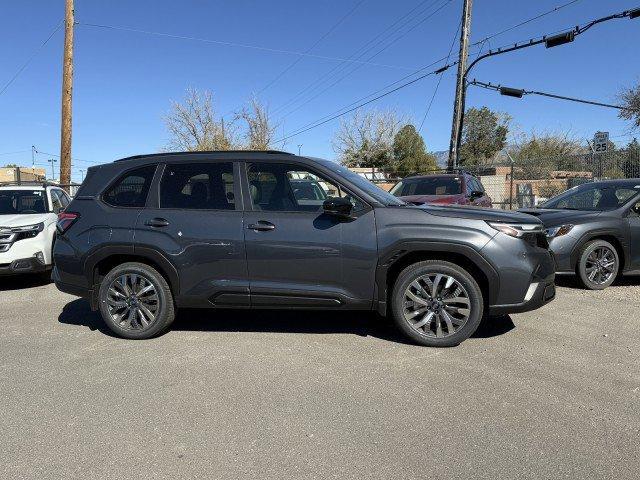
[601,142]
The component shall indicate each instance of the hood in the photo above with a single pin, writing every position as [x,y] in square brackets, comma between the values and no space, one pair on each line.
[474,213]
[433,199]
[553,217]
[22,220]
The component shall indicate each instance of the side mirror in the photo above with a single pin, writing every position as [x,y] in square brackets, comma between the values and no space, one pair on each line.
[636,208]
[474,195]
[340,207]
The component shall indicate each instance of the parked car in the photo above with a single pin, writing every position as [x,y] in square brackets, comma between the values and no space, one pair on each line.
[594,230]
[148,234]
[28,215]
[443,189]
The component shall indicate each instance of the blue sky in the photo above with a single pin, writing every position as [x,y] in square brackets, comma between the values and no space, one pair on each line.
[124,81]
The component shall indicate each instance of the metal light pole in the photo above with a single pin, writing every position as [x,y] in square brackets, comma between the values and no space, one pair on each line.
[549,41]
[53,161]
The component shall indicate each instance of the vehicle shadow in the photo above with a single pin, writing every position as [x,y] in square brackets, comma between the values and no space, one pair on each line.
[18,282]
[571,281]
[362,324]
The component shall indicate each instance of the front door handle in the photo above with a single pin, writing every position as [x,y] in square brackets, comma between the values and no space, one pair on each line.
[157,222]
[261,226]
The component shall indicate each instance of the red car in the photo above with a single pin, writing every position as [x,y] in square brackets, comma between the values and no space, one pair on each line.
[443,189]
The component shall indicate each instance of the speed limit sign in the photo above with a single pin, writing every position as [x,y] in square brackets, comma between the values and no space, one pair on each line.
[601,142]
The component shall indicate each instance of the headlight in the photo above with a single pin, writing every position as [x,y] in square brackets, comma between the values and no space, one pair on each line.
[558,231]
[38,227]
[516,230]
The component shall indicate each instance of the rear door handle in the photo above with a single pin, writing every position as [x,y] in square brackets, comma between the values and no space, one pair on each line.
[261,226]
[157,222]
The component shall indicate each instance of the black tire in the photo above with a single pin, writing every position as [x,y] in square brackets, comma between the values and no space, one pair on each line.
[434,267]
[164,314]
[598,283]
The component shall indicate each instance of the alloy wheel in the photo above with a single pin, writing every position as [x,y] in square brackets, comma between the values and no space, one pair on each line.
[436,305]
[132,301]
[601,265]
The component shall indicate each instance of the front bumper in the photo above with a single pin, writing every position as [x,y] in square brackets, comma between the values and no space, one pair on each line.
[539,294]
[23,265]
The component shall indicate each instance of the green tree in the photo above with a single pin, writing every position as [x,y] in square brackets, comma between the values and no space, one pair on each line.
[11,165]
[630,99]
[483,135]
[410,154]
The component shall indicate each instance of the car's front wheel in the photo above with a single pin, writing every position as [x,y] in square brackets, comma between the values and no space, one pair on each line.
[437,303]
[136,301]
[598,265]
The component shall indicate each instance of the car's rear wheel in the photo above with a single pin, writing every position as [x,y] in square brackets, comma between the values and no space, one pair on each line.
[136,301]
[598,265]
[437,303]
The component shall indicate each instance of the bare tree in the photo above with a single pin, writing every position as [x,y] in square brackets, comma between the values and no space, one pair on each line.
[630,98]
[192,125]
[366,138]
[259,128]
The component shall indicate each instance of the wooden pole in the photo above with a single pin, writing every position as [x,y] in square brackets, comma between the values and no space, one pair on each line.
[67,90]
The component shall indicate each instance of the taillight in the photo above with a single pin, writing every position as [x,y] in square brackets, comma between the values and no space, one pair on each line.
[65,220]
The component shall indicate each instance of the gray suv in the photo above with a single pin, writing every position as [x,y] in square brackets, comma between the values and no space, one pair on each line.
[148,234]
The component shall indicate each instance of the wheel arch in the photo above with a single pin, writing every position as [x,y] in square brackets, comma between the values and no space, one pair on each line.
[466,257]
[608,236]
[101,262]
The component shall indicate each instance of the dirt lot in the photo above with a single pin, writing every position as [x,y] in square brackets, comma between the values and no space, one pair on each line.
[549,394]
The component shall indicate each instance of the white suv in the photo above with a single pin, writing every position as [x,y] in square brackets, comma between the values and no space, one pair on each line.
[28,216]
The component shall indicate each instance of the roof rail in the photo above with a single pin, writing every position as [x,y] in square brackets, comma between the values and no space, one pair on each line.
[169,154]
[28,183]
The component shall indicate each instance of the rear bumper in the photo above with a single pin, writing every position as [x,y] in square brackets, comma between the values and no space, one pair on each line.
[69,288]
[23,265]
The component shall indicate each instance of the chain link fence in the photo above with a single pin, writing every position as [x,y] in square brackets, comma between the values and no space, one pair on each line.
[524,183]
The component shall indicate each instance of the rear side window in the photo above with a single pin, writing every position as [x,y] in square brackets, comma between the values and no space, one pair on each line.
[198,186]
[131,189]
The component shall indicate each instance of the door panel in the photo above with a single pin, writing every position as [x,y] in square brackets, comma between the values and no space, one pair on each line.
[198,228]
[307,258]
[634,238]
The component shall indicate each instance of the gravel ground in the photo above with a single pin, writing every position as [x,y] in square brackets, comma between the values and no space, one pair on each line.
[234,394]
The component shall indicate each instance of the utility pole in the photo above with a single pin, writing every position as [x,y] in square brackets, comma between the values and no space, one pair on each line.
[465,33]
[67,89]
[299,150]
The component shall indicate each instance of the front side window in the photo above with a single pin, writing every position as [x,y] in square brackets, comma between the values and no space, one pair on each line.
[56,201]
[16,202]
[593,197]
[131,189]
[198,186]
[290,188]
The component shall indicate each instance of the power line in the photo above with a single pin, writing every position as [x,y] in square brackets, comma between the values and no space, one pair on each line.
[360,52]
[315,44]
[525,22]
[33,55]
[234,44]
[359,66]
[404,85]
[514,92]
[435,91]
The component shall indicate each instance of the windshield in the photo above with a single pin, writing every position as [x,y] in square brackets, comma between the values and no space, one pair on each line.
[376,192]
[13,202]
[593,198]
[428,186]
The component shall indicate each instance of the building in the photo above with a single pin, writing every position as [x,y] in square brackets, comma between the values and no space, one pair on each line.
[22,174]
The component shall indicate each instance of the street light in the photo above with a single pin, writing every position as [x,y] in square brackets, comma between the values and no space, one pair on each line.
[53,161]
[550,42]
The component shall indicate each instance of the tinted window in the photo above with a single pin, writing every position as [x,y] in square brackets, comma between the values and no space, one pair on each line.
[474,185]
[280,187]
[428,186]
[198,186]
[593,197]
[131,189]
[14,202]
